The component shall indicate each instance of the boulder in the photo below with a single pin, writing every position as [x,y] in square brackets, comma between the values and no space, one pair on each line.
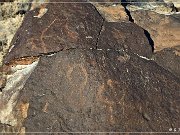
[100,91]
[164,30]
[63,26]
[169,59]
[69,70]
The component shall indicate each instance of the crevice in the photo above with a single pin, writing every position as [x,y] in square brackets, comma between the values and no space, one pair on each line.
[124,3]
[99,34]
[151,42]
[101,27]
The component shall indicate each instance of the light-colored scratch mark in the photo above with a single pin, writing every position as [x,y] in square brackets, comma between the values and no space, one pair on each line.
[89,37]
[45,107]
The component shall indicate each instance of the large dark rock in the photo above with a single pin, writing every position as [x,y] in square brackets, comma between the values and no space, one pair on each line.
[63,26]
[125,36]
[73,25]
[93,75]
[91,90]
[169,58]
[164,30]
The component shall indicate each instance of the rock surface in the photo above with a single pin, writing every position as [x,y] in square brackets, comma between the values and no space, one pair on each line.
[91,90]
[43,35]
[169,58]
[125,36]
[64,26]
[175,2]
[158,6]
[113,13]
[164,30]
[69,70]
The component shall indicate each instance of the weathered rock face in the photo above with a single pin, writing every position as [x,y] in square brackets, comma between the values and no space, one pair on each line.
[55,32]
[158,6]
[91,90]
[127,36]
[113,13]
[62,27]
[164,30]
[10,21]
[175,2]
[88,75]
[169,58]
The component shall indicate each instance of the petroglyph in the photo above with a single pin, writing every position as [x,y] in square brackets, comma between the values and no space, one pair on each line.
[108,103]
[81,85]
[43,33]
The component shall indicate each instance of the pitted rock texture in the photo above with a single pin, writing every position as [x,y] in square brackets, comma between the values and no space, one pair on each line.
[63,26]
[164,30]
[169,58]
[67,26]
[91,90]
[124,36]
[92,76]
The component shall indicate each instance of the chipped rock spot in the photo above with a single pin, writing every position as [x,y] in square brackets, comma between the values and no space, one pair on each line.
[177,52]
[45,108]
[110,83]
[124,58]
[146,116]
[24,108]
[42,11]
